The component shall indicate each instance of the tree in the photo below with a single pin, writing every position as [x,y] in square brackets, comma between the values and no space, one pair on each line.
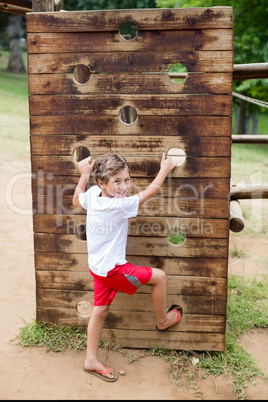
[250,46]
[15,61]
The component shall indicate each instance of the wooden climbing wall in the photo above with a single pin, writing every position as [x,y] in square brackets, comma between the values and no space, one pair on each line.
[82,72]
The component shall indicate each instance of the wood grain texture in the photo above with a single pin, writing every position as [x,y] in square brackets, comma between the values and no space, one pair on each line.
[111,20]
[159,125]
[186,266]
[123,83]
[198,105]
[122,62]
[68,118]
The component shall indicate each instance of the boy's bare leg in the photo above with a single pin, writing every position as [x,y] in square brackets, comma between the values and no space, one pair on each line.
[159,297]
[93,338]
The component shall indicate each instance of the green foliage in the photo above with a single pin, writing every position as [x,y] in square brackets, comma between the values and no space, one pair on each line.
[250,38]
[73,5]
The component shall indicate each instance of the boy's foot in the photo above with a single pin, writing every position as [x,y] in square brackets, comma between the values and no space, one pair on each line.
[176,308]
[103,374]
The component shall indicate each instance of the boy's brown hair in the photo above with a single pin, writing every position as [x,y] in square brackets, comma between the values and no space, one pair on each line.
[108,165]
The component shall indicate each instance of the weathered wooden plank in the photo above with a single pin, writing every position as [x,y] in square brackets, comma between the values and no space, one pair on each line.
[45,183]
[159,125]
[206,39]
[127,145]
[138,339]
[200,83]
[144,104]
[176,285]
[203,167]
[111,20]
[140,226]
[118,62]
[146,321]
[168,340]
[201,267]
[209,267]
[176,207]
[191,304]
[191,247]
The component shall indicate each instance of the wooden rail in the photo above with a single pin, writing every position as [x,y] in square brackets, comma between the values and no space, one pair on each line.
[241,71]
[260,192]
[249,139]
[20,7]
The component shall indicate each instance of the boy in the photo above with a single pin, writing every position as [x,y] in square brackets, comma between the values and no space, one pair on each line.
[108,210]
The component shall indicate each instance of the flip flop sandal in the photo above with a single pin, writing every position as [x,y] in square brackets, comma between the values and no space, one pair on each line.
[171,308]
[100,374]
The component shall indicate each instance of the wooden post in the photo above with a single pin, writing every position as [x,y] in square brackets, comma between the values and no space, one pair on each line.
[46,5]
[236,217]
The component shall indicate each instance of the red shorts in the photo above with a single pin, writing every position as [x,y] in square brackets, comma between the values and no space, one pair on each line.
[125,278]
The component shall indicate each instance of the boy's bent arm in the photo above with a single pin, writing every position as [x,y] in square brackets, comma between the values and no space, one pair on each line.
[80,188]
[166,166]
[85,169]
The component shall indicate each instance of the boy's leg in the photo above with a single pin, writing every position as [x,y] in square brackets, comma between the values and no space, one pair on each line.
[93,338]
[159,297]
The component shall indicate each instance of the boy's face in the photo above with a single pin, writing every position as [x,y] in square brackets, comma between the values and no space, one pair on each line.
[117,186]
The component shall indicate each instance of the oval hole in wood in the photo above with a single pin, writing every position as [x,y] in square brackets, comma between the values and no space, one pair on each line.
[81,153]
[81,74]
[128,115]
[177,155]
[128,30]
[176,236]
[177,73]
[80,232]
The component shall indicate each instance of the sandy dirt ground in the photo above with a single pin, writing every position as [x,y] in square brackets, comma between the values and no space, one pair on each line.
[33,373]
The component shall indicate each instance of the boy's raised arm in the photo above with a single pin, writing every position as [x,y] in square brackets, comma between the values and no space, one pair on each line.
[85,169]
[166,166]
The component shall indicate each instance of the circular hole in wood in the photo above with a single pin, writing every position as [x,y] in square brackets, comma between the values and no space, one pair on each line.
[81,153]
[177,155]
[177,73]
[128,115]
[84,308]
[81,74]
[128,30]
[176,236]
[80,232]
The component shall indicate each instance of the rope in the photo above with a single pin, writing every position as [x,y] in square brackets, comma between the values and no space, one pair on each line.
[252,100]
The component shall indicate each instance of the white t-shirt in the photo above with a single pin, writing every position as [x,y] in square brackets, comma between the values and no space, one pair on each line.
[107,228]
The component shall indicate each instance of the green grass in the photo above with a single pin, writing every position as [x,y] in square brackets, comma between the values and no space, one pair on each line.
[14,111]
[176,236]
[247,309]
[249,164]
